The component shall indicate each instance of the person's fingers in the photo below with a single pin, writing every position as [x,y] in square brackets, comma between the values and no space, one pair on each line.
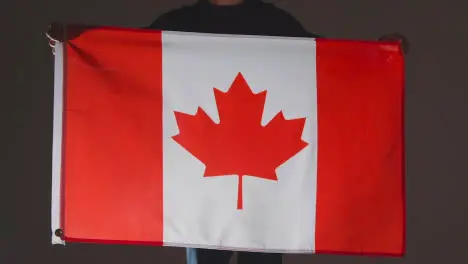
[397,37]
[49,36]
[64,32]
[56,31]
[51,41]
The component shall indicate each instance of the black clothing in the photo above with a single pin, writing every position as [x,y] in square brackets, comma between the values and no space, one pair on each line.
[207,256]
[252,17]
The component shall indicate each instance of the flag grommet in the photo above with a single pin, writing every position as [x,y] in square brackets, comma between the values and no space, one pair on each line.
[59,233]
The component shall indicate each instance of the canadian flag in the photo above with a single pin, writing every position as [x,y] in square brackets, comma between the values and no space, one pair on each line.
[248,143]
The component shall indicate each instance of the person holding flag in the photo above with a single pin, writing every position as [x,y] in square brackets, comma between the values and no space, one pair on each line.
[241,17]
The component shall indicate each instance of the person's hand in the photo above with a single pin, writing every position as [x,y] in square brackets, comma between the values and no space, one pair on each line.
[405,46]
[56,32]
[59,32]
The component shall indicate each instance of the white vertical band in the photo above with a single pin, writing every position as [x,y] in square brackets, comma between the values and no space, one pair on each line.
[278,216]
[57,143]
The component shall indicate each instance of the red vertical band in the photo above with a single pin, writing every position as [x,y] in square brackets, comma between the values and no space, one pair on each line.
[113,138]
[360,195]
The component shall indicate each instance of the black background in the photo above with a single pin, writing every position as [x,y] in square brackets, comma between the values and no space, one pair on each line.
[437,123]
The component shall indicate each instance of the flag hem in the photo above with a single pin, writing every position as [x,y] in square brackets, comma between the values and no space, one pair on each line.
[285,251]
[197,246]
[403,149]
[57,145]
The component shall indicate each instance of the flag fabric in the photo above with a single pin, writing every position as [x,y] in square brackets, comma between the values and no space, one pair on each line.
[248,143]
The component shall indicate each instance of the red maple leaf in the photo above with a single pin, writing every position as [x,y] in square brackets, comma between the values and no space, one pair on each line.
[239,144]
